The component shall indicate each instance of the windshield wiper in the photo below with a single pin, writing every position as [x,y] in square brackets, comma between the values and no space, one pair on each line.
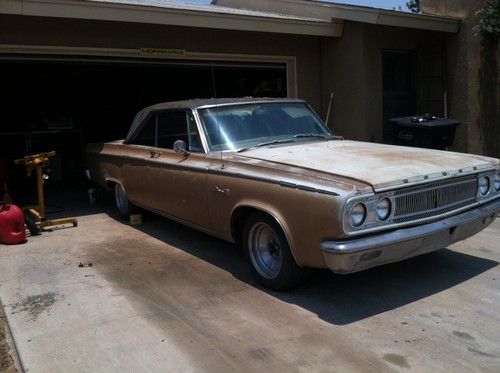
[299,135]
[266,143]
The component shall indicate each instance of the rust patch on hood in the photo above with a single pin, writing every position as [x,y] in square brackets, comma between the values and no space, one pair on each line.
[381,166]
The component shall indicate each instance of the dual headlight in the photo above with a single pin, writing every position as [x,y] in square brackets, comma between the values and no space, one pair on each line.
[382,208]
[358,213]
[485,184]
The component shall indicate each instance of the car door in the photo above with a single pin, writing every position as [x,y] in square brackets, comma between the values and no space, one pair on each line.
[134,171]
[176,181]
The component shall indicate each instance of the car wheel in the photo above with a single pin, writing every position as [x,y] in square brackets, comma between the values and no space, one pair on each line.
[125,208]
[269,254]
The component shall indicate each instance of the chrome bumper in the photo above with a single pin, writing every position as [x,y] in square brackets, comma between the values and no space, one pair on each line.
[353,255]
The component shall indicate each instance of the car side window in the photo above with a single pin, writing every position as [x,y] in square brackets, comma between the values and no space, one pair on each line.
[178,125]
[164,128]
[146,135]
[172,126]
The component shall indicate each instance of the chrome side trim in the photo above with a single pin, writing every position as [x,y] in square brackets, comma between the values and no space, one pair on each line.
[306,188]
[225,173]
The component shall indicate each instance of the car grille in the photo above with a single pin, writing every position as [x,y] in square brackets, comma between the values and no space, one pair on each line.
[435,198]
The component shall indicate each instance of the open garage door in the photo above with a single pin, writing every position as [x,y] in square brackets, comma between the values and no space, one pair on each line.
[62,103]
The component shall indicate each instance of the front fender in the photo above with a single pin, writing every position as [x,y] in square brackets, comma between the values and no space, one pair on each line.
[273,211]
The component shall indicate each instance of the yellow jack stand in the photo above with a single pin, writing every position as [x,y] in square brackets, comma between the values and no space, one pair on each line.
[39,162]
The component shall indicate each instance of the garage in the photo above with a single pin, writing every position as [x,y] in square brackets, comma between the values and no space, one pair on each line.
[62,103]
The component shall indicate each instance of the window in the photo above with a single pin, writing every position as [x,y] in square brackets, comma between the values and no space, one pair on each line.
[399,87]
[195,145]
[245,125]
[164,128]
[172,126]
[147,134]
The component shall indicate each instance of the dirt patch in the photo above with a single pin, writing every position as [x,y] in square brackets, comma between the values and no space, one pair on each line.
[398,360]
[6,361]
[34,304]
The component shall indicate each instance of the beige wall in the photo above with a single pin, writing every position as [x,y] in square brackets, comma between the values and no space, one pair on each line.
[342,66]
[352,68]
[464,68]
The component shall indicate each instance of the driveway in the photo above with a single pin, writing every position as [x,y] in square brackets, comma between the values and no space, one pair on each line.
[163,297]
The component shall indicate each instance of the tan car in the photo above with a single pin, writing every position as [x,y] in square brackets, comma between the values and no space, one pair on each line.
[269,174]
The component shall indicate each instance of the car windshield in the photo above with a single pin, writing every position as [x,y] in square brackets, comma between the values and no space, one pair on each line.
[240,127]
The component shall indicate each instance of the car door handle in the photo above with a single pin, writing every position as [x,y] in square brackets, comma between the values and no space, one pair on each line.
[155,154]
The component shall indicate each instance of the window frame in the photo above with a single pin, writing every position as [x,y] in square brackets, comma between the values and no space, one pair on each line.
[187,112]
[139,130]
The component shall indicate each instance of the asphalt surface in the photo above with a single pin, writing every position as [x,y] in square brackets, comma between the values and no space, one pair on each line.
[162,297]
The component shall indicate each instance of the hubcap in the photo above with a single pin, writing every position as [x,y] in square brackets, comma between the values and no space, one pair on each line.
[265,250]
[121,199]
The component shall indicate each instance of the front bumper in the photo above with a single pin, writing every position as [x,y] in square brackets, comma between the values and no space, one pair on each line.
[353,255]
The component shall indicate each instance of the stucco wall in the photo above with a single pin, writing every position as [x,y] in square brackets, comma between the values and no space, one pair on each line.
[352,69]
[429,94]
[342,66]
[464,67]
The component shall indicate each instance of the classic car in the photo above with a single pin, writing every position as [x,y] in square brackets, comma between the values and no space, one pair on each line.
[270,175]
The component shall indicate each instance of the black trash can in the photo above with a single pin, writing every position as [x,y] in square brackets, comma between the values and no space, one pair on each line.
[424,131]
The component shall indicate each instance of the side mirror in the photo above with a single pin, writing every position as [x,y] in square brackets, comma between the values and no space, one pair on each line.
[180,147]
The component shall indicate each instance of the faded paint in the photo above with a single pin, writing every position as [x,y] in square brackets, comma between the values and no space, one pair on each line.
[382,166]
[304,186]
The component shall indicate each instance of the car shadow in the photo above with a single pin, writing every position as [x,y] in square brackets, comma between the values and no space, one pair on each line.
[337,299]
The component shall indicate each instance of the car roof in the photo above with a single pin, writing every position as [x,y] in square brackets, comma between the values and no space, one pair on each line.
[195,104]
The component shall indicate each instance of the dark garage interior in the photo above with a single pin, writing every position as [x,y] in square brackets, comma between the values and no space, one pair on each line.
[63,103]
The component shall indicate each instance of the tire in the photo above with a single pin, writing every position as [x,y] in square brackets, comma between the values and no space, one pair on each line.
[123,205]
[268,252]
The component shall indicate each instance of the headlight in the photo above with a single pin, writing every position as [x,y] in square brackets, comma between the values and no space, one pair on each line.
[484,185]
[358,214]
[383,208]
[497,181]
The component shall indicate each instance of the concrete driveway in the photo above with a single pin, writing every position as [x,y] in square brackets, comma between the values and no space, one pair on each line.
[163,297]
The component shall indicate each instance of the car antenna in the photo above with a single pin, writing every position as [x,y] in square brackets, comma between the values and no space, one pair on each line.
[330,104]
[217,115]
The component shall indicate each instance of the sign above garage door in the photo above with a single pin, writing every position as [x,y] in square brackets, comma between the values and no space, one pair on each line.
[162,52]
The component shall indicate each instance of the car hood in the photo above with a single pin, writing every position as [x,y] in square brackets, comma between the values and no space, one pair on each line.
[381,166]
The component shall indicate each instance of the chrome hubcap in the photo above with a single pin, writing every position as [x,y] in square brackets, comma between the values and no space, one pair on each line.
[121,199]
[265,250]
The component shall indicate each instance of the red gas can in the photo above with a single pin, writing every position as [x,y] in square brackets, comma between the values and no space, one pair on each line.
[12,229]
